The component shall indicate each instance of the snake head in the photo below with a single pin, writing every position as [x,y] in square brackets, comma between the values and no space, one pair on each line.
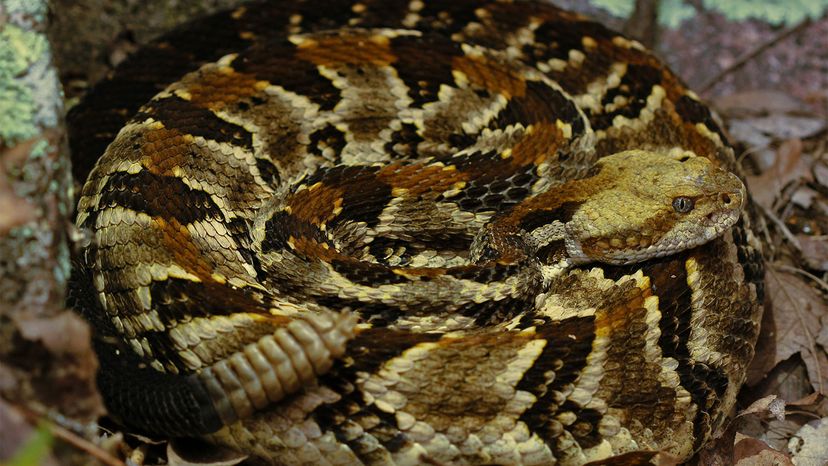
[650,205]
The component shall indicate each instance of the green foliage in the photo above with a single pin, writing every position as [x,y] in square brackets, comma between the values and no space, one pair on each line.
[673,12]
[18,111]
[34,10]
[35,449]
[619,8]
[772,11]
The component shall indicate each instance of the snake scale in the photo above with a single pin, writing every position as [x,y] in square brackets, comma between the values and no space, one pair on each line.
[412,231]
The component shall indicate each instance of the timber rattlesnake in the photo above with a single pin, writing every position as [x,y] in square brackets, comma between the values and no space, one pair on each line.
[450,173]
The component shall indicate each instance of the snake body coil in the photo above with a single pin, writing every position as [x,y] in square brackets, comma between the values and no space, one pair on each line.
[396,232]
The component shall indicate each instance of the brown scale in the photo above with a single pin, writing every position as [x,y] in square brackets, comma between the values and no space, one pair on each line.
[494,77]
[347,49]
[222,87]
[165,150]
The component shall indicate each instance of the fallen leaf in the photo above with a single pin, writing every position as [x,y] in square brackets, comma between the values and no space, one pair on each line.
[809,400]
[65,333]
[815,250]
[66,379]
[804,197]
[749,451]
[787,379]
[762,134]
[770,404]
[817,364]
[822,336]
[777,433]
[785,126]
[797,310]
[757,102]
[809,447]
[788,165]
[821,172]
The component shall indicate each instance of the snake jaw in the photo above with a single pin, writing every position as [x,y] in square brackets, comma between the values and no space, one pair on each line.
[575,253]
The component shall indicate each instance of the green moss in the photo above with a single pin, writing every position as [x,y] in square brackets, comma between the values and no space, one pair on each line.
[34,450]
[673,12]
[772,11]
[41,148]
[22,10]
[619,8]
[18,109]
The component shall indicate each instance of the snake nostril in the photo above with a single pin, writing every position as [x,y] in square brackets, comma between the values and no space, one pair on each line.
[726,199]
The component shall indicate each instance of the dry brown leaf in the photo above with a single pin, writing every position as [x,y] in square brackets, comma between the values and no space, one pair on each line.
[66,381]
[809,446]
[762,134]
[788,165]
[797,310]
[757,102]
[809,400]
[822,336]
[749,451]
[817,364]
[815,251]
[770,404]
[762,118]
[804,197]
[777,433]
[821,172]
[788,380]
[65,333]
[780,126]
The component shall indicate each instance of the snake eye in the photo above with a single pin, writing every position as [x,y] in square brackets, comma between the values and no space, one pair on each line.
[682,204]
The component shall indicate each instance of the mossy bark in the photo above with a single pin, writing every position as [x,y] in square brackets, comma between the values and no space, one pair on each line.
[45,358]
[51,51]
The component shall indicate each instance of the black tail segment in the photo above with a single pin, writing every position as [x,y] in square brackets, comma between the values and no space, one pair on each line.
[137,396]
[145,400]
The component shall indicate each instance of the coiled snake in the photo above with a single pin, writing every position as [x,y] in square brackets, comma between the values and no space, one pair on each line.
[385,231]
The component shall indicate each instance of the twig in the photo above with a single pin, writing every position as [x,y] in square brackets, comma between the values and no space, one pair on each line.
[741,61]
[787,268]
[642,25]
[803,413]
[70,437]
[85,445]
[782,227]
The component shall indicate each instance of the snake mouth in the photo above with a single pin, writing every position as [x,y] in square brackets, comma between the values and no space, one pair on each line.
[731,204]
[723,220]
